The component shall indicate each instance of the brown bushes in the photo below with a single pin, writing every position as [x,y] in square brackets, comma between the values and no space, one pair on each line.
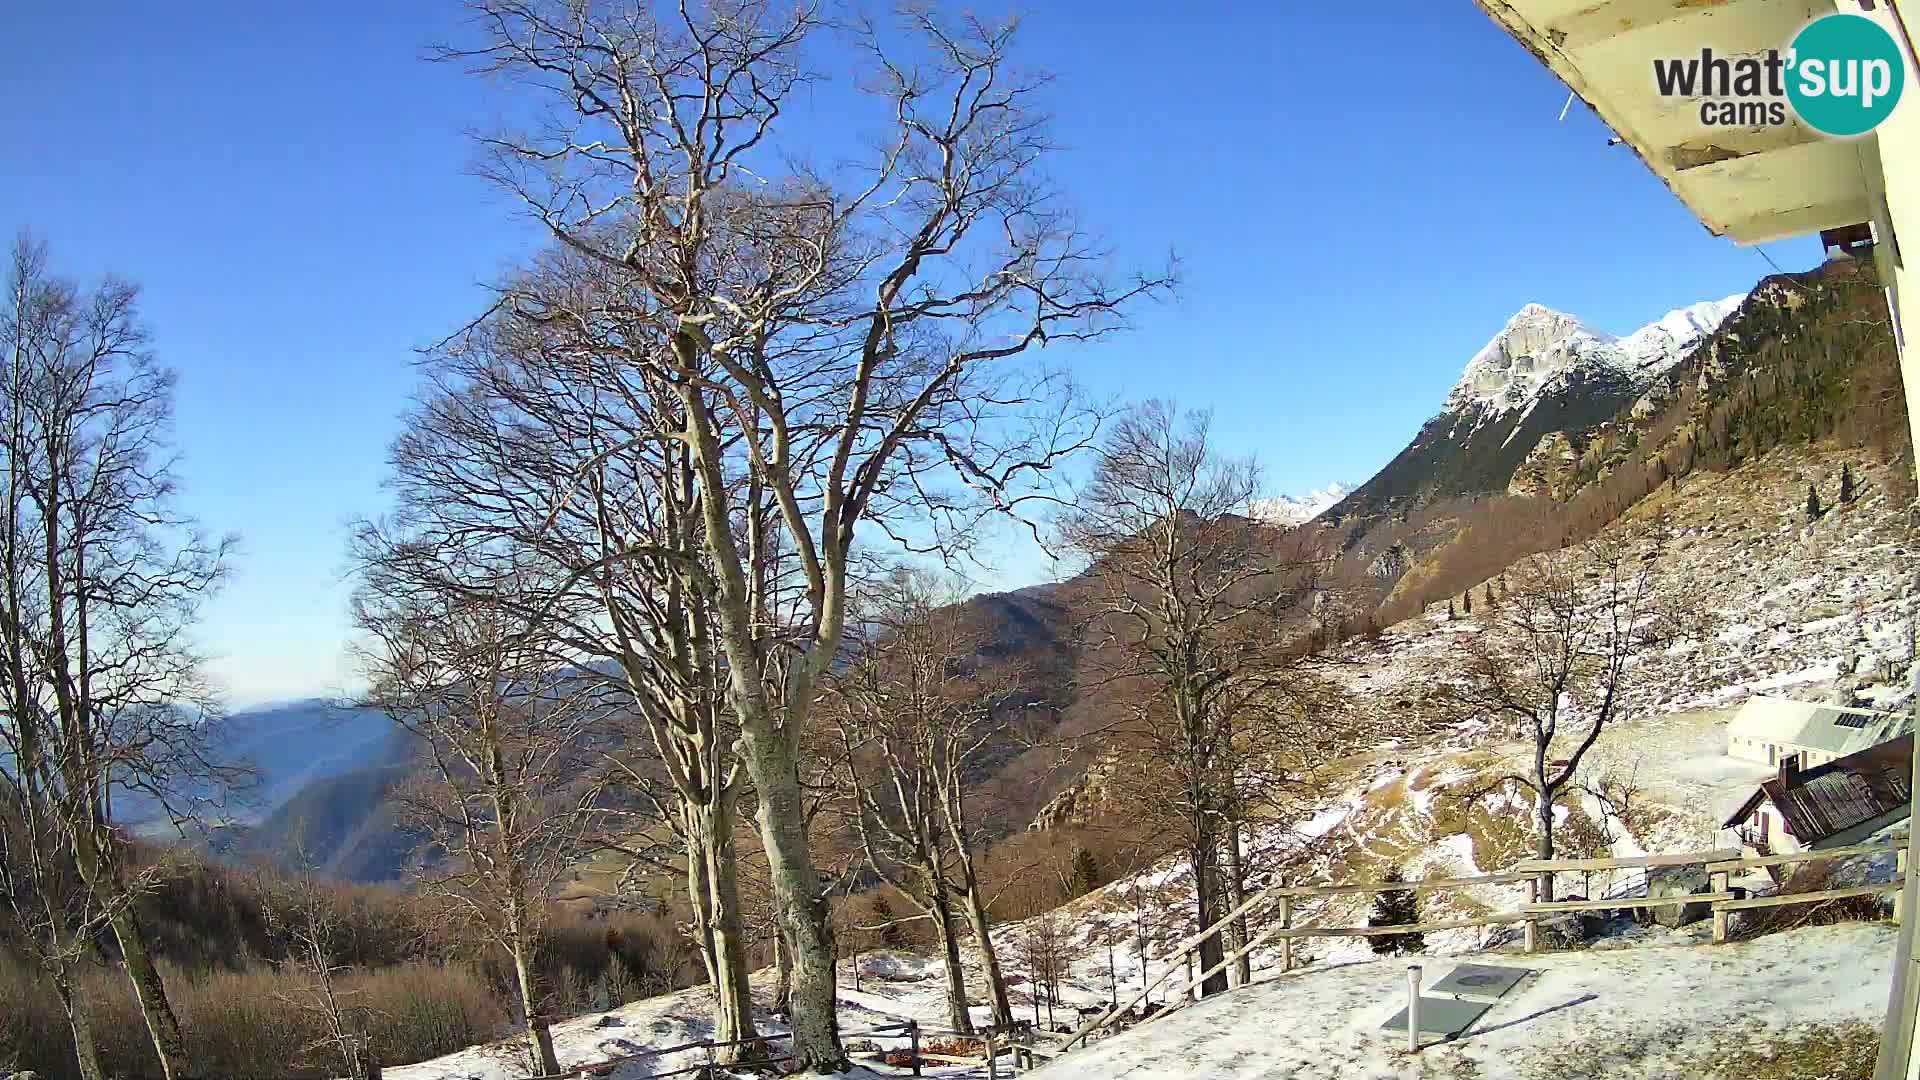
[250,1023]
[419,988]
[1818,877]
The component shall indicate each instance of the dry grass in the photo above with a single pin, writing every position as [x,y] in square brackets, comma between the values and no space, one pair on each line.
[1827,1052]
[1752,1051]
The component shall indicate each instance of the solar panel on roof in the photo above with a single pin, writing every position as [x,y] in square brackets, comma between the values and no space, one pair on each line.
[1852,720]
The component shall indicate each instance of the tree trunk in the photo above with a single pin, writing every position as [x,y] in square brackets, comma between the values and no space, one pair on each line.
[86,1051]
[539,1034]
[723,935]
[768,738]
[101,874]
[782,976]
[959,1015]
[1206,891]
[1544,809]
[699,897]
[148,989]
[1235,880]
[799,904]
[989,956]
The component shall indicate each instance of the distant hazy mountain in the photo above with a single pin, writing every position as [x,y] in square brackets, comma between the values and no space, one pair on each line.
[296,743]
[344,826]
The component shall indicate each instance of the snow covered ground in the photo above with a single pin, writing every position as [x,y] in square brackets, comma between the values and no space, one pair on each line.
[1675,1009]
[1657,1011]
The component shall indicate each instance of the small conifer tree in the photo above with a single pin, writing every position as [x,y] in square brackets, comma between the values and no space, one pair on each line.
[1813,504]
[892,935]
[1466,599]
[1846,484]
[1396,907]
[1450,610]
[1086,874]
[1489,597]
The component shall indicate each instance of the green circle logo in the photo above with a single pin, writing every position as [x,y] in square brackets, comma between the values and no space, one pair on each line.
[1846,75]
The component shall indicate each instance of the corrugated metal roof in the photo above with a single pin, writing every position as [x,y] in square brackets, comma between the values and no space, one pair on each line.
[1814,726]
[1817,803]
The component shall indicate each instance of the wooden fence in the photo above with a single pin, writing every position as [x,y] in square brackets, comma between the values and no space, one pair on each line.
[1720,865]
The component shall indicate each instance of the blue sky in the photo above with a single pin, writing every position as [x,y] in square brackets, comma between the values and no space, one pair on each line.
[1359,194]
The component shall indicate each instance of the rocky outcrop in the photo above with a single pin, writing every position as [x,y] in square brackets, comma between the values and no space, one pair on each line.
[1390,564]
[1090,797]
[1549,468]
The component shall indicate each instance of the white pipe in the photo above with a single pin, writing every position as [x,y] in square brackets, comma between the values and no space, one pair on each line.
[1413,1008]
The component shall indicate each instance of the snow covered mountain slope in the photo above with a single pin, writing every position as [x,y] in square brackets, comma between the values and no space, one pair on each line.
[1674,1010]
[1820,610]
[1299,509]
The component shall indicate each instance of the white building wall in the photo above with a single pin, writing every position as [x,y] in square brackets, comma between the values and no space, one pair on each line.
[1890,160]
[1778,840]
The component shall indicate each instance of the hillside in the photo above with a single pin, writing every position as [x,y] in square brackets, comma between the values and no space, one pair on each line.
[1659,1011]
[1624,1014]
[1581,424]
[1823,610]
[1803,358]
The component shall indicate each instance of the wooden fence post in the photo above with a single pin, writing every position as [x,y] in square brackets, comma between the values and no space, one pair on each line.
[993,1060]
[1717,882]
[1286,940]
[913,1041]
[1533,924]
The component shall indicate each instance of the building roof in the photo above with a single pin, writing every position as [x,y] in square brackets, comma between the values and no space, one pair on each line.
[1752,184]
[1817,803]
[1825,728]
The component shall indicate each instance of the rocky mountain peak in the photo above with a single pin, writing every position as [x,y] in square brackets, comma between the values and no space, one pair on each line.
[1540,350]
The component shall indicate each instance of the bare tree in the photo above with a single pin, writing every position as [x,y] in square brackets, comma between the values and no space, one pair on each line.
[1048,950]
[536,438]
[1193,627]
[914,708]
[52,914]
[829,339]
[310,930]
[1557,659]
[103,697]
[507,734]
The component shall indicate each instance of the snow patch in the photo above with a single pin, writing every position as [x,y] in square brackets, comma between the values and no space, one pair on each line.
[1298,509]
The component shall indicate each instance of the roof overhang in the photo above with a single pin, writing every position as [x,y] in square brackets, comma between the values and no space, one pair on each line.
[1750,184]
